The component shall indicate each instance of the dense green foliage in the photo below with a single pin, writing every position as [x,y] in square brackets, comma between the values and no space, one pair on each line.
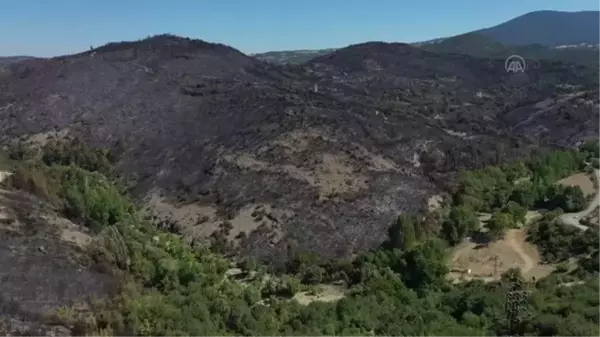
[507,191]
[591,149]
[173,288]
[74,152]
[557,243]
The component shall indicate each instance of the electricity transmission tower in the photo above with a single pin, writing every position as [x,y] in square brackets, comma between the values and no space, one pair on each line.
[515,310]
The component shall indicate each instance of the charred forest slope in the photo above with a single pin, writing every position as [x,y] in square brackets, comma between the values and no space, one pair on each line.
[331,151]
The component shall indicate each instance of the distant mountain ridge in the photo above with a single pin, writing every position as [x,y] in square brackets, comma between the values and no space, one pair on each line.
[536,34]
[548,28]
[481,46]
[4,60]
[292,56]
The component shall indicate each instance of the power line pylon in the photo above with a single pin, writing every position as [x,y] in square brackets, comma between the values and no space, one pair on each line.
[516,310]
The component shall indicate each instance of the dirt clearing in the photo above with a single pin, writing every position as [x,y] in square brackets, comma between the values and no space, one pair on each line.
[488,262]
[324,293]
[481,259]
[583,180]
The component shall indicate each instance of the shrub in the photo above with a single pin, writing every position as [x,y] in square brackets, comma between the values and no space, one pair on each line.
[36,180]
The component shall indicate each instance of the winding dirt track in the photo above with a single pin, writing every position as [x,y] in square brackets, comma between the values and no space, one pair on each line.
[512,241]
[573,218]
[567,218]
[528,263]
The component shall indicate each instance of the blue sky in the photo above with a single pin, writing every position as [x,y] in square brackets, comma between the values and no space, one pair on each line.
[56,27]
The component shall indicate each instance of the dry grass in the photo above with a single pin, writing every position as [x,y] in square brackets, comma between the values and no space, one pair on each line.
[34,180]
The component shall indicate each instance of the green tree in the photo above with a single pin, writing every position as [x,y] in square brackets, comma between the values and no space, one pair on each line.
[524,195]
[425,264]
[461,221]
[498,224]
[568,198]
[402,233]
[516,211]
[573,199]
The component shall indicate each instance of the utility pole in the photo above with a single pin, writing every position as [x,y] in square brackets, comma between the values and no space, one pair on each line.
[495,265]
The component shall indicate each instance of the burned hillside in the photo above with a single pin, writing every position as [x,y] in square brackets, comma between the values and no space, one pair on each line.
[45,267]
[319,157]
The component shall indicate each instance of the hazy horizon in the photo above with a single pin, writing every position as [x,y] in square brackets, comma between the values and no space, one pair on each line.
[53,29]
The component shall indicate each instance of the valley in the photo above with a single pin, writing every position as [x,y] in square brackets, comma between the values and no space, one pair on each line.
[84,213]
[337,165]
[173,186]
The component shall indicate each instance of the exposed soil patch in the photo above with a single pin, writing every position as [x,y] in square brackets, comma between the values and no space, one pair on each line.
[192,218]
[481,260]
[434,202]
[574,219]
[42,138]
[324,293]
[200,221]
[69,232]
[253,217]
[490,261]
[583,180]
[320,293]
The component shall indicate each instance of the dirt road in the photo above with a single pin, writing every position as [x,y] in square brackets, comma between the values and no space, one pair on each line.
[573,218]
[511,240]
[512,251]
